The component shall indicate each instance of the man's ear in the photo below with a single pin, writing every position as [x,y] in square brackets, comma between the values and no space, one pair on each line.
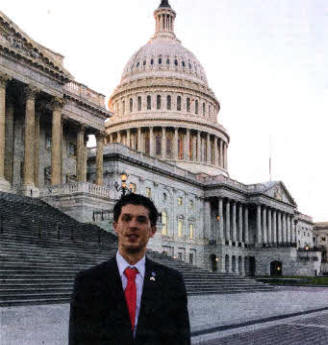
[115,226]
[153,230]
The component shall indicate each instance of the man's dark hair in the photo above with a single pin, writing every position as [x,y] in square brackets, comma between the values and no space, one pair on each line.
[136,199]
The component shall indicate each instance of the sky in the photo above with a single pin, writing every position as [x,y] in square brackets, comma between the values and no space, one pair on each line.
[266,61]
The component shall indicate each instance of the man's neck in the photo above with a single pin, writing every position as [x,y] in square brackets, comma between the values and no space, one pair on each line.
[131,258]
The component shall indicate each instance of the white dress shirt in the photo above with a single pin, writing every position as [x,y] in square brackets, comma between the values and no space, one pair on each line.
[122,264]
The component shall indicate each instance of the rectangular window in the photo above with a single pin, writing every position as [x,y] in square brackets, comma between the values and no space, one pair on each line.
[48,142]
[179,103]
[148,102]
[168,103]
[191,258]
[71,150]
[164,223]
[191,231]
[159,101]
[188,105]
[148,192]
[123,107]
[180,226]
[133,187]
[131,105]
[203,109]
[180,200]
[139,103]
[196,107]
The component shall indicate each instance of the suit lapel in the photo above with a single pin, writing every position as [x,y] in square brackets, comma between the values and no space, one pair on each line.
[150,296]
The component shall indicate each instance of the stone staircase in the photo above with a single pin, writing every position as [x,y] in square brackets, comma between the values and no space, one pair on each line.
[42,249]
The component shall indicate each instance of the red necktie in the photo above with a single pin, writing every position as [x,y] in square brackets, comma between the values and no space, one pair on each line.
[131,293]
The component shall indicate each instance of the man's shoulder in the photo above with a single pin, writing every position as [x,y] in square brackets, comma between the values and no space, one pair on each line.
[98,270]
[165,270]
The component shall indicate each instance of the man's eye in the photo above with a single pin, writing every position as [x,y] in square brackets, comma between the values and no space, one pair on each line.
[142,219]
[126,218]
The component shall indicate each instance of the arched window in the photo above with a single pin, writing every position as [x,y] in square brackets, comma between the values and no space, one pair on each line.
[196,107]
[160,61]
[167,61]
[139,103]
[176,62]
[152,61]
[204,109]
[159,101]
[144,63]
[179,103]
[209,110]
[164,223]
[188,105]
[148,102]
[168,102]
[123,107]
[183,64]
[131,105]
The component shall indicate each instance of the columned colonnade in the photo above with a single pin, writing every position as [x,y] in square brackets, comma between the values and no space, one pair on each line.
[174,143]
[32,140]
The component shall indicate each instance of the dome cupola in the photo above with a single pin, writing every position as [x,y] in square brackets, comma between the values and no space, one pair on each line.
[163,106]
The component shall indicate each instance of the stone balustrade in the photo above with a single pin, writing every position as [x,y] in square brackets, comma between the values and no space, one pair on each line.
[85,93]
[77,187]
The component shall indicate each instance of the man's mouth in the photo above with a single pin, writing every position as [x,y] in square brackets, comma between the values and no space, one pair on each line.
[132,237]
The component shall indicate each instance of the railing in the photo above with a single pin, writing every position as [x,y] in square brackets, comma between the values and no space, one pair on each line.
[85,93]
[77,187]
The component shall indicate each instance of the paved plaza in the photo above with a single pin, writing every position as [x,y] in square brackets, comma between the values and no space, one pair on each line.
[294,316]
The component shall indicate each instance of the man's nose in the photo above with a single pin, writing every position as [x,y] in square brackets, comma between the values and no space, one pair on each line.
[133,223]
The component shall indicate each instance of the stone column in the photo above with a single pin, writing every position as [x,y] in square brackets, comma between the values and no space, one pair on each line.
[227,222]
[198,146]
[4,184]
[187,145]
[274,226]
[230,263]
[258,225]
[139,141]
[294,239]
[119,137]
[85,161]
[207,220]
[37,150]
[246,225]
[240,223]
[176,144]
[234,222]
[80,154]
[220,212]
[57,105]
[269,226]
[216,163]
[290,229]
[237,264]
[242,268]
[221,154]
[226,156]
[264,222]
[222,270]
[163,146]
[284,234]
[9,146]
[151,142]
[208,147]
[28,181]
[100,158]
[128,137]
[279,227]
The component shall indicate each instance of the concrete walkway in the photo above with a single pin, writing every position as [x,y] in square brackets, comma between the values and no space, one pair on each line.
[209,315]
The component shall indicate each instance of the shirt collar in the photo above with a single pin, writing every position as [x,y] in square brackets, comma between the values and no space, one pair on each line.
[122,264]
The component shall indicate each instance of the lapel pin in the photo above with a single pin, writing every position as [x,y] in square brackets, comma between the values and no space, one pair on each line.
[153,275]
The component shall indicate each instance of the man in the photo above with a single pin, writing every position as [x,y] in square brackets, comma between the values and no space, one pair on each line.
[130,300]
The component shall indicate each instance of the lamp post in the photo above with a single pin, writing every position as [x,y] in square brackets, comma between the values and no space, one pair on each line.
[123,187]
[307,251]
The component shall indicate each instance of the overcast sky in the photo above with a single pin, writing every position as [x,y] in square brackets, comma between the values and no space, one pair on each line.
[266,61]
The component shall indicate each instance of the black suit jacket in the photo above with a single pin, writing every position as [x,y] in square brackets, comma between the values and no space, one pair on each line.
[99,314]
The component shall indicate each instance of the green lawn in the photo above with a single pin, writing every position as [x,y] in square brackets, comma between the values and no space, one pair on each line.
[295,280]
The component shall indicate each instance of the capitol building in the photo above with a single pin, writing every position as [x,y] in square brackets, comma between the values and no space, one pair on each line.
[163,130]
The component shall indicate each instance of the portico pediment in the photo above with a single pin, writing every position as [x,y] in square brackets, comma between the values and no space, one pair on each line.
[14,41]
[278,191]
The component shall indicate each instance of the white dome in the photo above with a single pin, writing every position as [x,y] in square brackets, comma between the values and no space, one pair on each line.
[164,57]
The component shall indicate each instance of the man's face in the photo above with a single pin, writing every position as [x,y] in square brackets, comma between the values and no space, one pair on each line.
[133,229]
